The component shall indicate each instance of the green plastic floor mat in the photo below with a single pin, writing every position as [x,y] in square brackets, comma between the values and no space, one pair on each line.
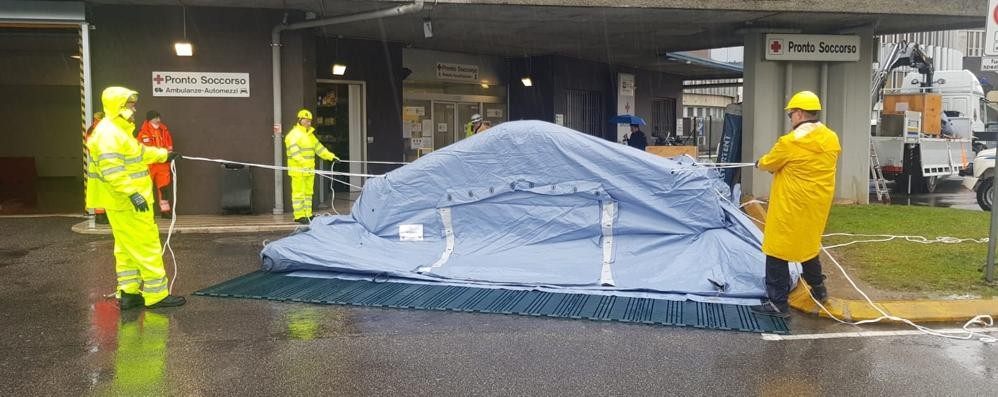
[400,295]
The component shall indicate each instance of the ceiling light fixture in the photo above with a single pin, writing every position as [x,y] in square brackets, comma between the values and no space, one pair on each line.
[184,48]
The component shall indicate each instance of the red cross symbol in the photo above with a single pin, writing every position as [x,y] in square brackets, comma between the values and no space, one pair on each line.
[158,79]
[776,47]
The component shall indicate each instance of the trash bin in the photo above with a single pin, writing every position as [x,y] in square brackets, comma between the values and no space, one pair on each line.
[237,189]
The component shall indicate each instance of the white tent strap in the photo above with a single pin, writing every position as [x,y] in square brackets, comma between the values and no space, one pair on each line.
[445,217]
[609,213]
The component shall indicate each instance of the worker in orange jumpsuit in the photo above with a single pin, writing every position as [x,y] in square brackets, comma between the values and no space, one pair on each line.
[155,133]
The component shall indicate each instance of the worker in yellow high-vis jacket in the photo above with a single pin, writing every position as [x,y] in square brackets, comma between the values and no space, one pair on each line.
[118,173]
[302,146]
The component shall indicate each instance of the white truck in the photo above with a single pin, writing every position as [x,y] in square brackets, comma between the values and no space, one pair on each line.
[915,161]
[984,171]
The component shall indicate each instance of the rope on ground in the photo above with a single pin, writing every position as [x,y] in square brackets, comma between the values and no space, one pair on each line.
[983,320]
[914,239]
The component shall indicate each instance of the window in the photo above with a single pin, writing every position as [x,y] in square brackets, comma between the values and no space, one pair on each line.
[584,112]
[975,43]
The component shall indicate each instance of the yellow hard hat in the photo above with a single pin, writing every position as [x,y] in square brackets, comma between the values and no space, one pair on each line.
[804,100]
[304,114]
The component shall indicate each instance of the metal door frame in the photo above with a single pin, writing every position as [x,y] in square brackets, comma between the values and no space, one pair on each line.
[458,124]
[357,119]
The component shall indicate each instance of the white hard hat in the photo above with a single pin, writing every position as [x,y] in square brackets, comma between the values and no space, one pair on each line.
[475,118]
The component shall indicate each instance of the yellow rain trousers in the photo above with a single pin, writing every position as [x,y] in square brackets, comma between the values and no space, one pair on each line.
[302,147]
[118,166]
[803,167]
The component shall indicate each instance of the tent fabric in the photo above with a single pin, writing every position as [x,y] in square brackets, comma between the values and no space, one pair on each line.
[530,204]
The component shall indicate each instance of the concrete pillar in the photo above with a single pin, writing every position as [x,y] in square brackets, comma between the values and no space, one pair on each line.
[768,86]
[762,111]
[849,114]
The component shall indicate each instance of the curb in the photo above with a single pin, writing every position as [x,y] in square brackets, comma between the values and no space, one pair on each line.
[859,310]
[914,310]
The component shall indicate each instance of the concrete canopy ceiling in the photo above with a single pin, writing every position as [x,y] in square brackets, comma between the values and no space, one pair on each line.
[634,33]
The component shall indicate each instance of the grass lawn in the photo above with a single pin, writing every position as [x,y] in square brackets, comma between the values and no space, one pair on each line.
[912,267]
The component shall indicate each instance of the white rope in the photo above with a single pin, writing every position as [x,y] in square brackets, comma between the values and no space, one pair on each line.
[982,320]
[712,166]
[373,162]
[340,181]
[750,202]
[332,202]
[274,167]
[173,222]
[914,239]
[726,165]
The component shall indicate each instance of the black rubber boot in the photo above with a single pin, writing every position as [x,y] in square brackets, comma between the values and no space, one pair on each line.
[303,221]
[169,301]
[768,308]
[819,292]
[101,219]
[777,281]
[130,301]
[166,215]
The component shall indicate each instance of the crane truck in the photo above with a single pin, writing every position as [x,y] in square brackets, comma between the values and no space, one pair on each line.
[924,130]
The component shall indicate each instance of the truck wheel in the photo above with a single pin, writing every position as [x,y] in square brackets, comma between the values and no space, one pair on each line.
[929,184]
[986,193]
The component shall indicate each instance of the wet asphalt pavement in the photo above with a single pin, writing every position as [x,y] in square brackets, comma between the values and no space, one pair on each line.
[952,192]
[60,337]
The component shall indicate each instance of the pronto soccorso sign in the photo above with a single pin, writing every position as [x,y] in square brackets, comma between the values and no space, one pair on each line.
[200,84]
[812,47]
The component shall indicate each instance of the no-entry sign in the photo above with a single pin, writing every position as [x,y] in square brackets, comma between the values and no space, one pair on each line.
[991,31]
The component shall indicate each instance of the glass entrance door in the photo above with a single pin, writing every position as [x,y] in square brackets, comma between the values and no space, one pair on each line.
[338,121]
[444,124]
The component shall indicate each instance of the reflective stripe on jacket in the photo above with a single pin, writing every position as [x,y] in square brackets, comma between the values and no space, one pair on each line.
[118,166]
[301,147]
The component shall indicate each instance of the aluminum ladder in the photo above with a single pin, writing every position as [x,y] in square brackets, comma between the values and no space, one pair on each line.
[879,183]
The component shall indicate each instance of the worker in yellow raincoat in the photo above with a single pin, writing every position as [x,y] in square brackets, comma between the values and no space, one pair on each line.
[803,166]
[118,181]
[302,147]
